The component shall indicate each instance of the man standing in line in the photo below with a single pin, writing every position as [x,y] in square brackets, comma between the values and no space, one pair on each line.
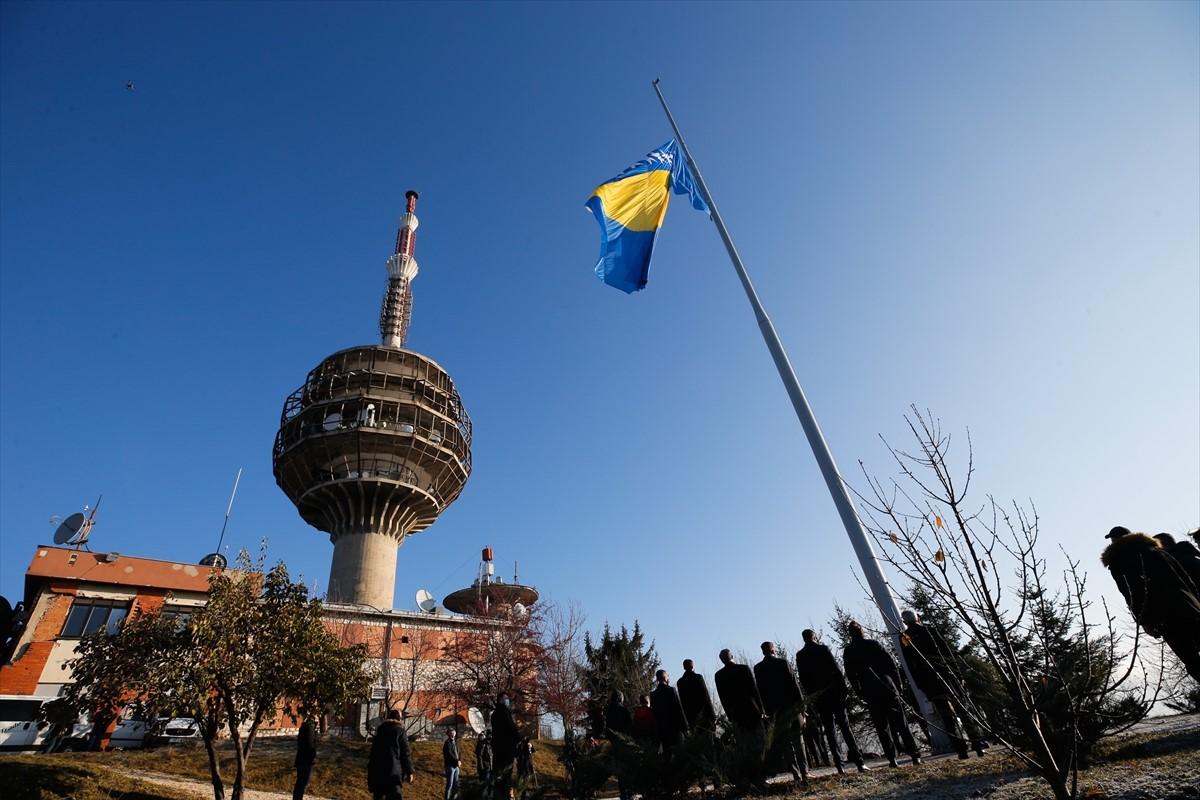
[823,681]
[306,754]
[783,701]
[930,662]
[743,705]
[874,675]
[669,719]
[390,762]
[693,695]
[450,762]
[618,722]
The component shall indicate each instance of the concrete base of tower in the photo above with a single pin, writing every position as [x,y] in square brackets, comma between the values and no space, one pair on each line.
[363,571]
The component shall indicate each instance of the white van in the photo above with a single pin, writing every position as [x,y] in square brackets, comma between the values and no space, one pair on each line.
[20,728]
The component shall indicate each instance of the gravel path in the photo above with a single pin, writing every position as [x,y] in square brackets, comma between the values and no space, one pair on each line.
[204,788]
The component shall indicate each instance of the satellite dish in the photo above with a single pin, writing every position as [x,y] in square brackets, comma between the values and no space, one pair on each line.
[75,528]
[214,560]
[519,611]
[425,601]
[70,528]
[475,720]
[332,422]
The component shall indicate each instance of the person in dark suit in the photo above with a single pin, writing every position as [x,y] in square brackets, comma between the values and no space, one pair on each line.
[823,681]
[483,763]
[930,661]
[782,702]
[693,695]
[306,754]
[874,675]
[669,719]
[739,695]
[505,738]
[390,762]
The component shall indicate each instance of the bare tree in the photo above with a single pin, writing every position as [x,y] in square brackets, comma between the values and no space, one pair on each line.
[1069,678]
[560,679]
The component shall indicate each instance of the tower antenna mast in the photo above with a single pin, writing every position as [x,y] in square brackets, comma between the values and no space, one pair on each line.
[396,314]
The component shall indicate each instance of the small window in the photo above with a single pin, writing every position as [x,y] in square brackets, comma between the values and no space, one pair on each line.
[182,615]
[88,616]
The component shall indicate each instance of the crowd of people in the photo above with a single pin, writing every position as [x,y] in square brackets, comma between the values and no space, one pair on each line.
[793,715]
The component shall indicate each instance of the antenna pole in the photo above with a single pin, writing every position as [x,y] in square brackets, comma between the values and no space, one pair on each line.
[228,509]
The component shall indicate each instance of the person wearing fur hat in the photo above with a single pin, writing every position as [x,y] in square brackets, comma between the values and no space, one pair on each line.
[1159,592]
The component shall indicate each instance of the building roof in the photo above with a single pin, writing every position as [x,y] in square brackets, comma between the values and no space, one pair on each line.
[70,564]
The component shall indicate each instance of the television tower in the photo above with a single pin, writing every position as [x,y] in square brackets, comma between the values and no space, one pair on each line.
[375,444]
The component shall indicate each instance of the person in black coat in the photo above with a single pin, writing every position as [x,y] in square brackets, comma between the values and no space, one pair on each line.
[931,663]
[1159,593]
[739,695]
[505,739]
[618,722]
[669,719]
[823,681]
[783,703]
[483,763]
[390,762]
[872,672]
[697,703]
[306,754]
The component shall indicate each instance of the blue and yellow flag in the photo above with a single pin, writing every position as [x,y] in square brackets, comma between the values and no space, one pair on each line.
[630,209]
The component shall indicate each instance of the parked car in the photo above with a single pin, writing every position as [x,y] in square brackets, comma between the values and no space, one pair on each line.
[176,730]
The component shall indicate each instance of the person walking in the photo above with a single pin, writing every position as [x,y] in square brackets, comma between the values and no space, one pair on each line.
[931,664]
[450,763]
[389,765]
[1158,591]
[505,738]
[669,720]
[873,673]
[483,763]
[306,754]
[783,703]
[823,682]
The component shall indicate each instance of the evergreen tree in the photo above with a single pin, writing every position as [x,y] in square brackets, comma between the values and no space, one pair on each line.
[621,662]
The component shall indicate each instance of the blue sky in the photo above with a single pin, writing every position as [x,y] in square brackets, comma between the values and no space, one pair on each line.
[988,210]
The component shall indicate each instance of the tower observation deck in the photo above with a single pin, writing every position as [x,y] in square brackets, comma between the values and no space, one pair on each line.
[375,444]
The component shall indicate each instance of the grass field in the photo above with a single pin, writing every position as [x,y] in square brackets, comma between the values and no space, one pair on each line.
[1156,763]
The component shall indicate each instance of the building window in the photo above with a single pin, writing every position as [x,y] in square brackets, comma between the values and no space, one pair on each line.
[88,615]
[182,615]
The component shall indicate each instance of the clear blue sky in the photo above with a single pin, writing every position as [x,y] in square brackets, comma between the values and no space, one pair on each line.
[989,210]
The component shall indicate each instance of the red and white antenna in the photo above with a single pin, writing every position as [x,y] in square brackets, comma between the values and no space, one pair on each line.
[396,314]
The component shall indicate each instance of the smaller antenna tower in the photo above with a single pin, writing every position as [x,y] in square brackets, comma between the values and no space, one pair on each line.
[396,313]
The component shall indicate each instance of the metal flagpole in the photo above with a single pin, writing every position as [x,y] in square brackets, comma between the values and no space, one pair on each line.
[833,479]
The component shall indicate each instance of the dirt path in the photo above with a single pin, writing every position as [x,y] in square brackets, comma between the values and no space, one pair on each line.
[204,789]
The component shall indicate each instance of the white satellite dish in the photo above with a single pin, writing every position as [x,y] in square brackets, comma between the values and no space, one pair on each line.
[519,610]
[425,601]
[475,720]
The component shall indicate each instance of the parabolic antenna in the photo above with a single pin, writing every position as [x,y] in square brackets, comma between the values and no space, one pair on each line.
[72,529]
[215,560]
[475,720]
[425,601]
